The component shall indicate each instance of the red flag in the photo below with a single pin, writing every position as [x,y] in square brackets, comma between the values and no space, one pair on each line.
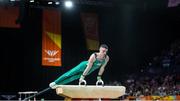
[9,16]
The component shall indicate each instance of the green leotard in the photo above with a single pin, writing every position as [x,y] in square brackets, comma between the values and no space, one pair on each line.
[77,71]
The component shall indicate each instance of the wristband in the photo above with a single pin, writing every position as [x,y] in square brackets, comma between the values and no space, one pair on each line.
[83,76]
[98,77]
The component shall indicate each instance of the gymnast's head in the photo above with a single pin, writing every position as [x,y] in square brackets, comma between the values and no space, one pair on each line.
[103,48]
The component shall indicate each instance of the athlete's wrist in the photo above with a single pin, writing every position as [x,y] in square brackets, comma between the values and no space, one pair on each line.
[83,76]
[99,77]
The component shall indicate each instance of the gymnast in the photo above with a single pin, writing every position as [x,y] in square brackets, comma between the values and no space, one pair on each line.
[98,60]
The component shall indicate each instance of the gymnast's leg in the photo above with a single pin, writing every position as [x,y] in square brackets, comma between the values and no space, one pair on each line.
[76,70]
[70,79]
[67,75]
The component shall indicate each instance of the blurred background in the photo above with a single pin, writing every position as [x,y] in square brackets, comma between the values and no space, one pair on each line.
[143,38]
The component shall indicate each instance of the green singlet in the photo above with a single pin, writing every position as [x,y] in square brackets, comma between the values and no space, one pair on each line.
[76,72]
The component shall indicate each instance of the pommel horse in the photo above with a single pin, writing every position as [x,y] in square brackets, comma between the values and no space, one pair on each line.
[89,91]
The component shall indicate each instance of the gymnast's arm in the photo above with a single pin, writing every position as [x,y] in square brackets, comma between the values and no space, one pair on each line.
[89,65]
[103,66]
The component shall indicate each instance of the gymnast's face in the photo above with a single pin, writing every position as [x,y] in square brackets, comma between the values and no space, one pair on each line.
[103,50]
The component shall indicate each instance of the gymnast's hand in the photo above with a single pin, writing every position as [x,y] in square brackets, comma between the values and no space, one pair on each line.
[53,85]
[81,78]
[99,80]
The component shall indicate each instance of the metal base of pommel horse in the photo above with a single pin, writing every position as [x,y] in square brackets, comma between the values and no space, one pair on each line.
[89,92]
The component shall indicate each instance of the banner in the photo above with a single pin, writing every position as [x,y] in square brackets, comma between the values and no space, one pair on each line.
[51,38]
[8,17]
[164,98]
[90,24]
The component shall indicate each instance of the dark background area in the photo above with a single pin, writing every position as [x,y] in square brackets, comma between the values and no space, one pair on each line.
[134,31]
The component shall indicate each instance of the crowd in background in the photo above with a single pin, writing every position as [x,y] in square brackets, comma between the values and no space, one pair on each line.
[160,77]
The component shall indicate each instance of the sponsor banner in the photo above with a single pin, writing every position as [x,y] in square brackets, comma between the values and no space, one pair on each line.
[90,25]
[169,98]
[51,38]
[9,16]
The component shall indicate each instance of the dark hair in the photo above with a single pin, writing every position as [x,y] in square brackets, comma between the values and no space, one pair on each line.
[104,46]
